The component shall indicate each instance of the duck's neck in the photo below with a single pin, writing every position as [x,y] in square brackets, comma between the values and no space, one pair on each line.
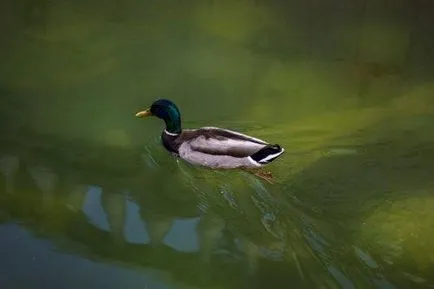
[173,125]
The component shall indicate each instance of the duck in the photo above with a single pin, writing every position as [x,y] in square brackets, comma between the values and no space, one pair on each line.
[212,147]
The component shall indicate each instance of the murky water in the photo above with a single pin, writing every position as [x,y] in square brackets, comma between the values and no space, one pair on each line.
[90,199]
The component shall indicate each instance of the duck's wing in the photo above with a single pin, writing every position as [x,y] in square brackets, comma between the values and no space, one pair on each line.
[217,141]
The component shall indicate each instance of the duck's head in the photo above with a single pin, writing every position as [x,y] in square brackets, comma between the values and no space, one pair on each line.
[167,111]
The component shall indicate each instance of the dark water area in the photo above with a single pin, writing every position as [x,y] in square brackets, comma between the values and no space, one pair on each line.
[90,199]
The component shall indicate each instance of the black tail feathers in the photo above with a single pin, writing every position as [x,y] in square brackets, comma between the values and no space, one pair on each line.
[267,154]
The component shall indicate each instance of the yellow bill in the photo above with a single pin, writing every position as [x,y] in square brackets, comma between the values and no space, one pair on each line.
[144,113]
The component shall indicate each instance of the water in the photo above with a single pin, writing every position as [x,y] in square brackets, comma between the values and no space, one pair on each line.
[90,199]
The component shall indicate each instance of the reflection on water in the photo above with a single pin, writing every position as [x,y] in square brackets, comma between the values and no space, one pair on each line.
[343,221]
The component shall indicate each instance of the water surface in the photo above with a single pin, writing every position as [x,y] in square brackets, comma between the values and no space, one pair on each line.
[90,199]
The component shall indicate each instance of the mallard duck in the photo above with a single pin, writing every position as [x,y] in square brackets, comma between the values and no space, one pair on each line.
[212,147]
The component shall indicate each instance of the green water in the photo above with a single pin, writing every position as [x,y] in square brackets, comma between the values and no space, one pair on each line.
[90,199]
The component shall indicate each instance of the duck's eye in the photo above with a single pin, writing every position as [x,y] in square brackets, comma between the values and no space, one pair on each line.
[155,110]
[161,112]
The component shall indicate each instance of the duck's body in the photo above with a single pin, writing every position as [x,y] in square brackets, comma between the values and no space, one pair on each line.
[220,148]
[211,147]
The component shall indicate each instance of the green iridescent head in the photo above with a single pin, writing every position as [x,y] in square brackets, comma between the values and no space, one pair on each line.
[167,111]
